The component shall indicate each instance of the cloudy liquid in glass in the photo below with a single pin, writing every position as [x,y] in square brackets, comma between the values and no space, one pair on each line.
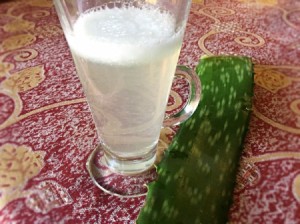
[126,59]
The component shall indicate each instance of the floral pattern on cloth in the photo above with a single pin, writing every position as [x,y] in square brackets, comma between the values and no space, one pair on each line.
[46,129]
[46,126]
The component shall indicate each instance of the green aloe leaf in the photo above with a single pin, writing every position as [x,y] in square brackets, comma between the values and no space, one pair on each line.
[197,175]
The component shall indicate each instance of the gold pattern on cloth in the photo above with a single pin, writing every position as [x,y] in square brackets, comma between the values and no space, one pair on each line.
[24,54]
[286,19]
[198,1]
[249,173]
[275,78]
[243,38]
[5,68]
[215,12]
[247,176]
[296,188]
[178,101]
[17,41]
[270,79]
[20,81]
[40,3]
[274,123]
[17,118]
[261,2]
[18,164]
[48,31]
[295,107]
[274,156]
[18,25]
[250,40]
[47,195]
[25,79]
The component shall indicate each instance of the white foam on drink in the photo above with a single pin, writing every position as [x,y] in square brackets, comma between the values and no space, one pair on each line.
[123,35]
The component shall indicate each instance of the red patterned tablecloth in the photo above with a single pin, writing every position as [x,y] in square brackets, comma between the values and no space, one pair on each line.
[47,133]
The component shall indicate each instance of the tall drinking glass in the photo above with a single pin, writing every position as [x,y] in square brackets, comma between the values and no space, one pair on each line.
[126,53]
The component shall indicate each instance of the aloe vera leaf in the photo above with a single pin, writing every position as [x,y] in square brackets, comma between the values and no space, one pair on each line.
[197,175]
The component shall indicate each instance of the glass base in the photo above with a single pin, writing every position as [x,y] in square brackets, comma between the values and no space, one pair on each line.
[121,178]
[130,165]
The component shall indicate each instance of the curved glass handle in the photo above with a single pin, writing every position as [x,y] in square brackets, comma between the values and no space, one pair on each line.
[193,100]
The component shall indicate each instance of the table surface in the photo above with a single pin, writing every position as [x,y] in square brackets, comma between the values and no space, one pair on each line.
[47,132]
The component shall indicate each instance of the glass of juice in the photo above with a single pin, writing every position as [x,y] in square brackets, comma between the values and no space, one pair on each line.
[126,54]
